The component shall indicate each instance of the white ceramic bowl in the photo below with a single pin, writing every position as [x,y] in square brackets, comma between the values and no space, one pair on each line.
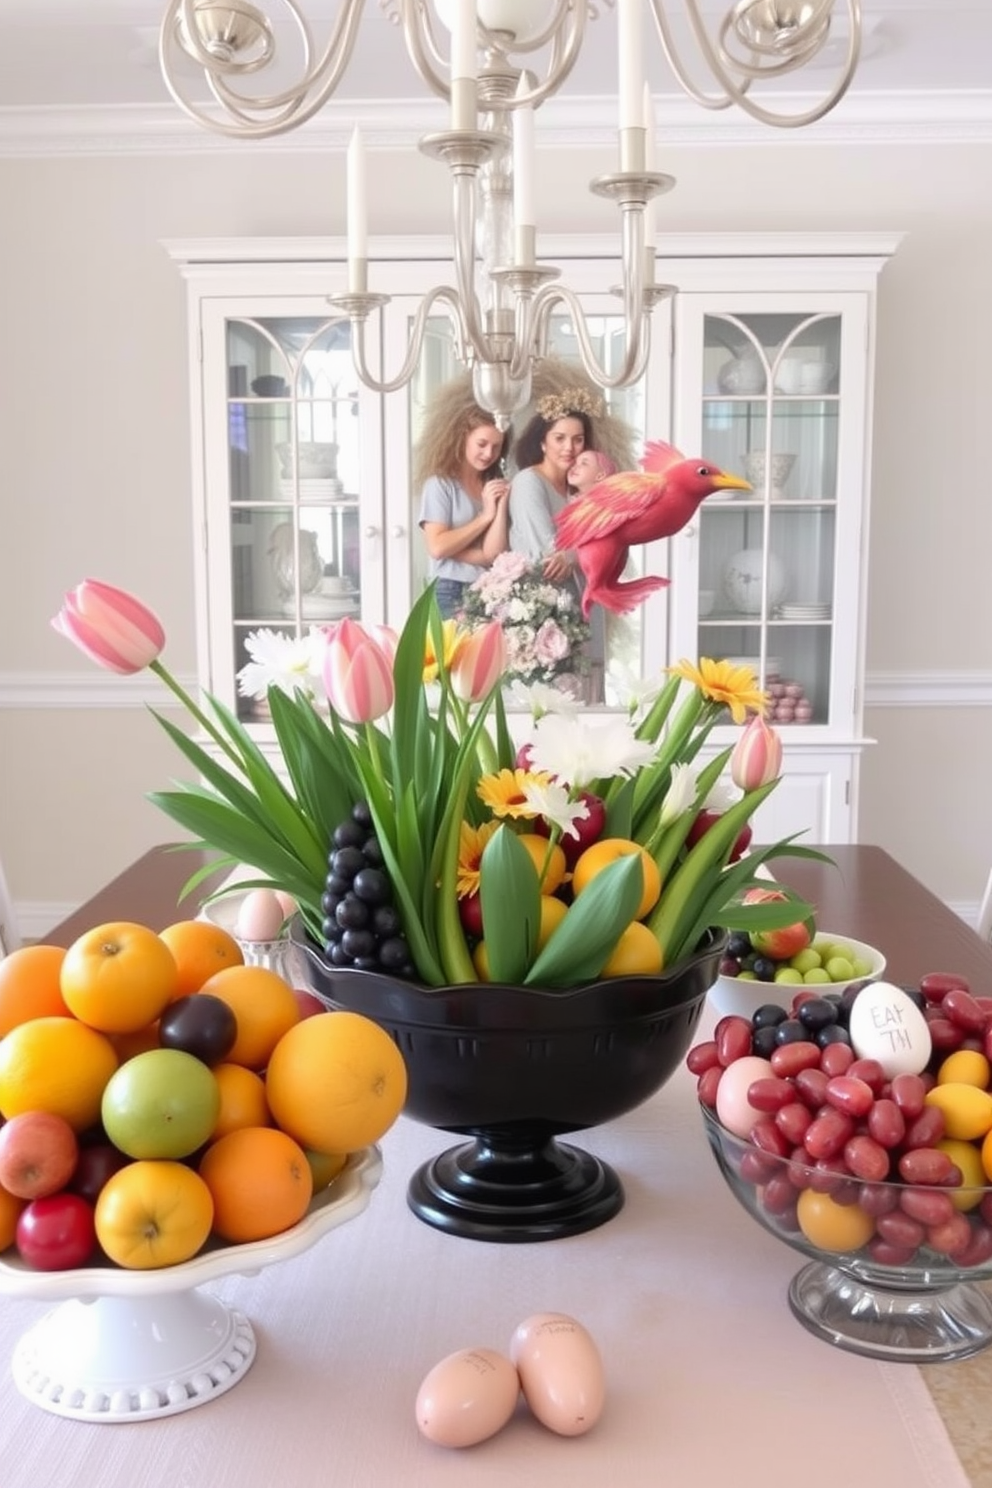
[736,995]
[756,467]
[316,461]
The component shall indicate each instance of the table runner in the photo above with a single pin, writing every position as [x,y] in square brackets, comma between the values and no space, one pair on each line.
[711,1382]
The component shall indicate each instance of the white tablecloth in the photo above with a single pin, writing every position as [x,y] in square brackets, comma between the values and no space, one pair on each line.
[711,1382]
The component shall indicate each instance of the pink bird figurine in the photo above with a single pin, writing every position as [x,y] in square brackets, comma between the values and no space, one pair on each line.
[603,524]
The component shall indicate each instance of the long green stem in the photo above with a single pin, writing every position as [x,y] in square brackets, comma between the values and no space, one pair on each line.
[164,675]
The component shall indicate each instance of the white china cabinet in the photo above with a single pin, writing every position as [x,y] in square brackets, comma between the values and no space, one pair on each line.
[763,364]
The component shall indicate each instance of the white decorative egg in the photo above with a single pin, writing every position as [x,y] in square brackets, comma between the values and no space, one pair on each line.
[887,1025]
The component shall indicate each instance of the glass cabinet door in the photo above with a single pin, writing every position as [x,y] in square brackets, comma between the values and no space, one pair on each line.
[296,512]
[775,572]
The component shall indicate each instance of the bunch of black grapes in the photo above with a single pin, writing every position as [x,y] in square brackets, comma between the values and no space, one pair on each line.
[362,927]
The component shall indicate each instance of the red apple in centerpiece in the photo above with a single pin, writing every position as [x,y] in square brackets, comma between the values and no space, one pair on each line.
[307,1003]
[470,914]
[707,819]
[56,1233]
[38,1154]
[784,943]
[589,827]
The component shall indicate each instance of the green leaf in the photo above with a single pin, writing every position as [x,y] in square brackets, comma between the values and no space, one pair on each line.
[582,944]
[511,906]
[619,812]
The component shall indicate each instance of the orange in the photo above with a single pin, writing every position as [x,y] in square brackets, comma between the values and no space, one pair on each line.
[10,1209]
[553,911]
[336,1082]
[58,1065]
[264,1006]
[260,1182]
[548,859]
[118,977]
[29,985]
[636,953]
[153,1213]
[242,1099]
[200,948]
[606,851]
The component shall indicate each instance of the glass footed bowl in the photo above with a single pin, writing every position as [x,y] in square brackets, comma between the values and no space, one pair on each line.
[134,1345]
[924,1307]
[514,1068]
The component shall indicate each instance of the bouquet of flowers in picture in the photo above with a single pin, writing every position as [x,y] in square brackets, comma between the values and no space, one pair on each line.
[418,835]
[542,624]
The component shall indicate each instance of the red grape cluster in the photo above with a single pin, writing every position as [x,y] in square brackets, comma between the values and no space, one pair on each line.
[830,1123]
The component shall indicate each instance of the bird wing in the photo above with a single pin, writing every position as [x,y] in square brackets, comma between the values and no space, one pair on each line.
[659,457]
[605,507]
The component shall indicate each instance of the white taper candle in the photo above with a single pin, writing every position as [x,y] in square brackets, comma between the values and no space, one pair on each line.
[357,205]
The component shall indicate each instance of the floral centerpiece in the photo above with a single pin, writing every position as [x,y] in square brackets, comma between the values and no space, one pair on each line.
[408,737]
[542,623]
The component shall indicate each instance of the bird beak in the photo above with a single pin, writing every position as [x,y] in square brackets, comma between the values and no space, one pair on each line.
[731,483]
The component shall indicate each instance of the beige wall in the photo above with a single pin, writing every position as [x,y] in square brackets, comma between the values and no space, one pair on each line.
[94,453]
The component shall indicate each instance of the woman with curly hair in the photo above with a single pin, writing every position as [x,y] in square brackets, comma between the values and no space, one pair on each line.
[546,451]
[464,494]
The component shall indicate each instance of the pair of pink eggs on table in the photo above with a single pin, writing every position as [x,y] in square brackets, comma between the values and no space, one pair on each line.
[471,1394]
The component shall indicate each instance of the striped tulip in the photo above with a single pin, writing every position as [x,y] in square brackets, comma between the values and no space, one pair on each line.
[757,756]
[110,626]
[358,674]
[480,663]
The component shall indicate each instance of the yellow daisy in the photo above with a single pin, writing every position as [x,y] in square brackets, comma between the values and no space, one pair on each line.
[452,639]
[505,795]
[471,844]
[734,687]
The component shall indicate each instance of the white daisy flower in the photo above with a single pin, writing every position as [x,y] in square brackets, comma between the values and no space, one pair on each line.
[581,752]
[288,662]
[681,793]
[551,801]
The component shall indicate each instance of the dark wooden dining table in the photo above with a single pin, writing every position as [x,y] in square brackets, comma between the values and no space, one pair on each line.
[684,1293]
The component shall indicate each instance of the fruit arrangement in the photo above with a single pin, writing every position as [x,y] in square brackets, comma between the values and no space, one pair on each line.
[793,954]
[158,1095]
[864,1118]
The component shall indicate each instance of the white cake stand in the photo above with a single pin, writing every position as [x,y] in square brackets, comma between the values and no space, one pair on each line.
[134,1345]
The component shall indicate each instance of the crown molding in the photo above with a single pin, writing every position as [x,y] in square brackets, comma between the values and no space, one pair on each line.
[905,117]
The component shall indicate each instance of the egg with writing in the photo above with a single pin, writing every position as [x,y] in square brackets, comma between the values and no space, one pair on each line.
[467,1397]
[260,916]
[733,1109]
[887,1025]
[561,1372]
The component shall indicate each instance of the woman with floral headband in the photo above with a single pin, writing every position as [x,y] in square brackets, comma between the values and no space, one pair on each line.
[464,496]
[545,453]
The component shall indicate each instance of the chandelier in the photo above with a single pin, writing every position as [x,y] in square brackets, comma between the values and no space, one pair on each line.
[496,62]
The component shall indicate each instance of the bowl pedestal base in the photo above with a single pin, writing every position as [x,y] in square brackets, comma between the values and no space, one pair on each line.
[133,1358]
[901,1325]
[515,1190]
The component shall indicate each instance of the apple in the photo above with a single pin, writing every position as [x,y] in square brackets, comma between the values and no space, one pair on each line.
[707,819]
[308,1004]
[56,1233]
[788,940]
[161,1104]
[470,914]
[589,827]
[38,1154]
[96,1164]
[201,1025]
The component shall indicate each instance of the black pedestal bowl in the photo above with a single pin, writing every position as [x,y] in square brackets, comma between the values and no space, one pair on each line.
[513,1068]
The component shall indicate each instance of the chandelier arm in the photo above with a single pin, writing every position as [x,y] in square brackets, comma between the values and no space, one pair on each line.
[737,92]
[322,76]
[564,55]
[427,61]
[442,293]
[637,337]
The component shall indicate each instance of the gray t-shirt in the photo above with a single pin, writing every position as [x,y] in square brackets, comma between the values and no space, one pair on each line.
[444,500]
[534,504]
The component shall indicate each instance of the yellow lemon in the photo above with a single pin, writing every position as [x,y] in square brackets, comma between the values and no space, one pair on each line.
[637,953]
[553,911]
[548,859]
[969,1158]
[832,1226]
[606,851]
[965,1067]
[967,1110]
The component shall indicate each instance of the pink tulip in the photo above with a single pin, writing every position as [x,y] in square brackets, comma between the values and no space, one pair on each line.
[757,756]
[110,626]
[358,674]
[480,663]
[386,638]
